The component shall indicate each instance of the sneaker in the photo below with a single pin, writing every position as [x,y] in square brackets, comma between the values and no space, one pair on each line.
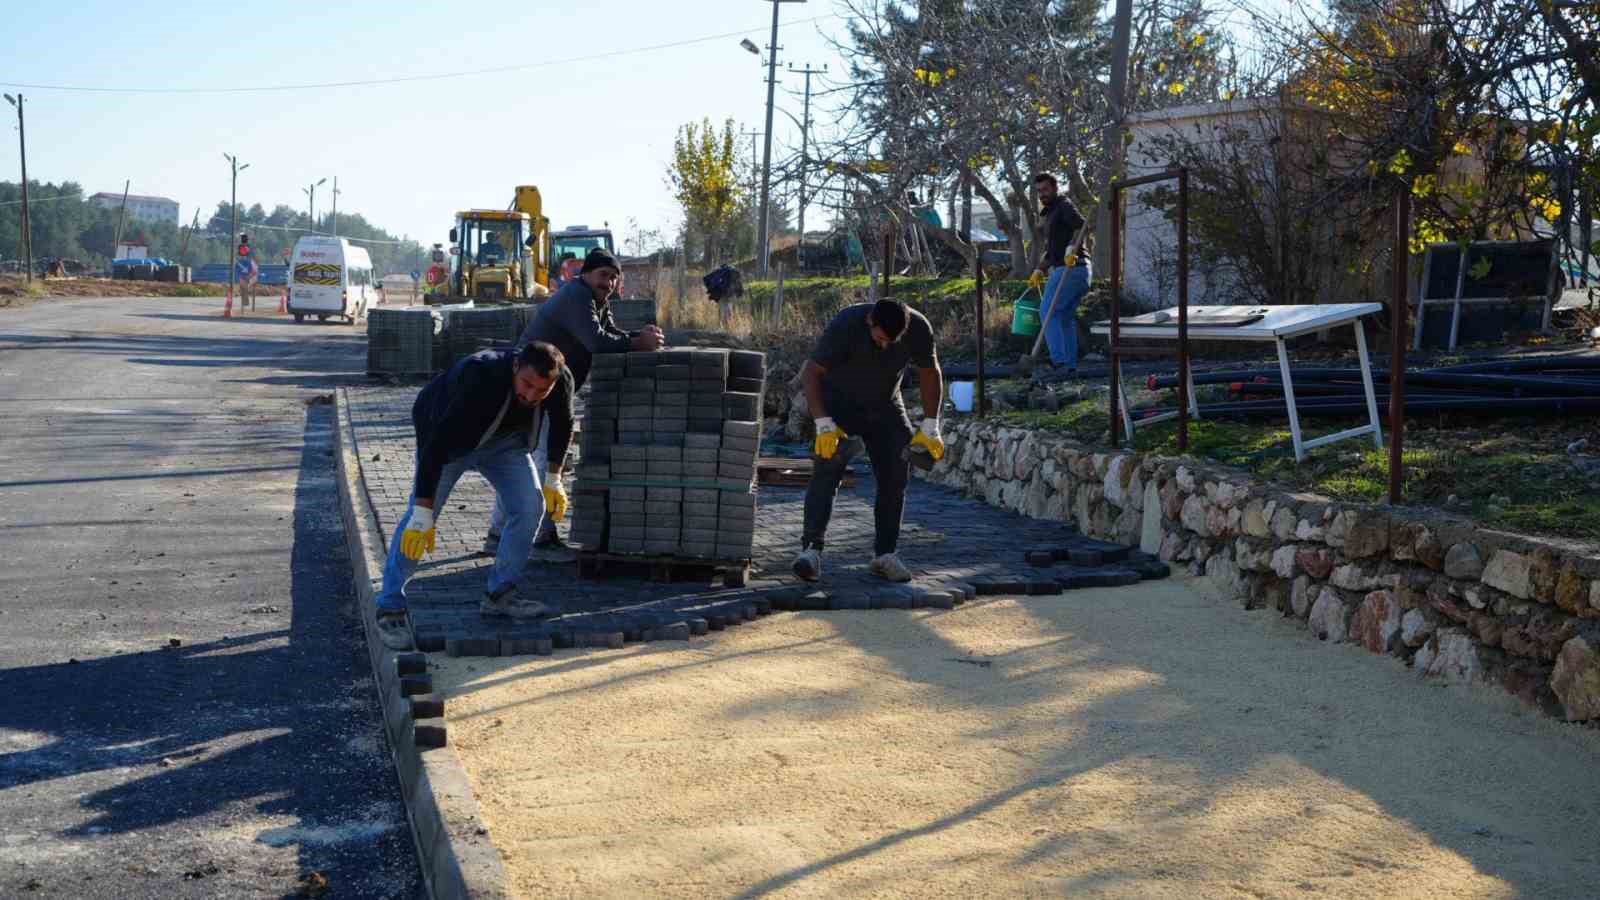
[510,602]
[889,567]
[491,543]
[808,565]
[394,630]
[549,540]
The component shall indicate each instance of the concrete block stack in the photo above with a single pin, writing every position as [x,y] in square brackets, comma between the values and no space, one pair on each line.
[669,449]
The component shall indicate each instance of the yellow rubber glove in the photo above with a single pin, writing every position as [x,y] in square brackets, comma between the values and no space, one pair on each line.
[828,436]
[417,540]
[1036,280]
[1072,260]
[555,500]
[927,437]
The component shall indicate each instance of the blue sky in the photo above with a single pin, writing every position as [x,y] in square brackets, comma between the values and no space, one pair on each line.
[594,136]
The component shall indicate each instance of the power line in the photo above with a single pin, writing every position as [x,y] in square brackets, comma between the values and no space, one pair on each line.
[410,78]
[42,200]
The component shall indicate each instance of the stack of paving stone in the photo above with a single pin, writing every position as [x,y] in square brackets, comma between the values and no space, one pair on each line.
[669,449]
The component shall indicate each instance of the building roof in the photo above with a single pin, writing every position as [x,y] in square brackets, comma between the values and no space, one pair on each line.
[118,197]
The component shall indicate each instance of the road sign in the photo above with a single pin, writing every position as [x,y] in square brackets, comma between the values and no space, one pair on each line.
[416,275]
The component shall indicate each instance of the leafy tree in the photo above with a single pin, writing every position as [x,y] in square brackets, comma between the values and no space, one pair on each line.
[705,178]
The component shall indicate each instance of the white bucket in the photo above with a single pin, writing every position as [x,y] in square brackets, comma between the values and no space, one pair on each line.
[961,395]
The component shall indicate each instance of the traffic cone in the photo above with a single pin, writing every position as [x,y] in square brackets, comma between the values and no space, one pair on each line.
[283,301]
[227,308]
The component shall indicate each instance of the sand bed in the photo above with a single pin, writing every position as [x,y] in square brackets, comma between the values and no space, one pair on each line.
[1132,742]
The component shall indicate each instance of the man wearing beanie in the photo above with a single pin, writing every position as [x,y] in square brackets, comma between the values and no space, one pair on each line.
[577,320]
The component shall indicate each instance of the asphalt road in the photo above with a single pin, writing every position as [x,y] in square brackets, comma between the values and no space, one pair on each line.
[186,708]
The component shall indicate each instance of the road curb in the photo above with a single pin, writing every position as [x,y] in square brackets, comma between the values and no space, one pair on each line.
[458,859]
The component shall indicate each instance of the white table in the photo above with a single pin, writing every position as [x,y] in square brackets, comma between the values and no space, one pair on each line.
[1276,326]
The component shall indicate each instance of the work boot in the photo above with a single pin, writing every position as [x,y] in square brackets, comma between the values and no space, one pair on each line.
[393,629]
[491,544]
[808,565]
[508,601]
[889,567]
[549,540]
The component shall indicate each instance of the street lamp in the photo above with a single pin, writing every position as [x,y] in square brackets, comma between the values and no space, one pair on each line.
[311,208]
[26,223]
[745,43]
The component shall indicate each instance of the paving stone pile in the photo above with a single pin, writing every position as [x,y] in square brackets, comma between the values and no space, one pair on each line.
[669,446]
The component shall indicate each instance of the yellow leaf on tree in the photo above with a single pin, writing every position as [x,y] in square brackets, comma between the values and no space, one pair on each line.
[1461,149]
[1176,88]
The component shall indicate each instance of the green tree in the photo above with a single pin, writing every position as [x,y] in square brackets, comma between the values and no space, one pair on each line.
[705,179]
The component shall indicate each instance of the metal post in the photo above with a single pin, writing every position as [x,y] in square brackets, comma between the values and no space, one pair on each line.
[335,206]
[805,133]
[1116,309]
[766,156]
[1397,341]
[122,216]
[233,235]
[1184,385]
[183,255]
[26,221]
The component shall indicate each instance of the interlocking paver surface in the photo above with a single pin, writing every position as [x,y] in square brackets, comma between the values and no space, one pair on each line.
[948,541]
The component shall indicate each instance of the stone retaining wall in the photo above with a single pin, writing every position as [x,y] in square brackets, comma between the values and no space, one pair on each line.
[1456,601]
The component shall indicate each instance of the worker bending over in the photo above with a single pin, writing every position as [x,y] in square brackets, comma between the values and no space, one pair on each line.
[576,320]
[852,384]
[483,413]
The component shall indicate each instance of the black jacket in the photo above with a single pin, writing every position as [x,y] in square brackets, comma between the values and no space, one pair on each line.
[462,408]
[1059,223]
[579,327]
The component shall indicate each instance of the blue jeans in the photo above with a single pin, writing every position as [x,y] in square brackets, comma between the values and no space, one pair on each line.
[506,464]
[541,466]
[1061,335]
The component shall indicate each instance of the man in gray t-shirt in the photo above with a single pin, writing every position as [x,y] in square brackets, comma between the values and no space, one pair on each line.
[852,383]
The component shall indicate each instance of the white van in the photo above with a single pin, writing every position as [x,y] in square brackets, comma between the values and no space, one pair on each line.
[329,276]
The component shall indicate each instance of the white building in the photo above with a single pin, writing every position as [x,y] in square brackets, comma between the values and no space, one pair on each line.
[140,207]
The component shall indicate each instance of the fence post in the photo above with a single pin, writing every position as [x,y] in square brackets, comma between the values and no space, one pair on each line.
[777,298]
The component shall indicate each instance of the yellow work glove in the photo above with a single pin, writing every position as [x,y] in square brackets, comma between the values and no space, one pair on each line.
[828,436]
[927,437]
[555,500]
[417,540]
[1072,260]
[1036,280]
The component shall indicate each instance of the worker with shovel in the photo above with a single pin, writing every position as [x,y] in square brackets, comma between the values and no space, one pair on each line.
[1062,273]
[852,384]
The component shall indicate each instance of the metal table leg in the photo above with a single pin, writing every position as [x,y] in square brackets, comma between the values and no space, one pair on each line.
[1288,396]
[1366,380]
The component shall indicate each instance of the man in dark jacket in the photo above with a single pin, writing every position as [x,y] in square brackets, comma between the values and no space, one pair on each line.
[484,413]
[852,383]
[577,320]
[1063,281]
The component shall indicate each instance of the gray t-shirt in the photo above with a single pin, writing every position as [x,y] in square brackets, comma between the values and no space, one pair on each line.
[858,373]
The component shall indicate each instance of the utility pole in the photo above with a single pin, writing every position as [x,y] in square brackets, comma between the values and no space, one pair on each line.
[805,134]
[763,227]
[122,216]
[311,204]
[335,206]
[183,255]
[1121,31]
[27,222]
[752,134]
[233,205]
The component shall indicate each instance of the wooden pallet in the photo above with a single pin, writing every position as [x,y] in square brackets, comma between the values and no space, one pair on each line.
[597,563]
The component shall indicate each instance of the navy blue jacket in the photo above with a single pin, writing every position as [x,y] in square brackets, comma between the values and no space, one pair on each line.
[460,410]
